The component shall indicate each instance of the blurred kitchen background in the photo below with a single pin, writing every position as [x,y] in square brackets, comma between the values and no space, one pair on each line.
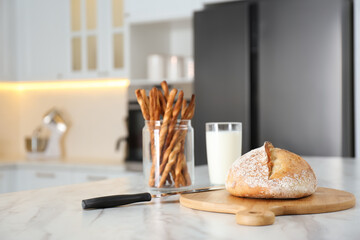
[287,69]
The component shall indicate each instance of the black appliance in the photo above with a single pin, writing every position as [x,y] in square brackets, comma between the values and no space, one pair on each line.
[135,126]
[284,68]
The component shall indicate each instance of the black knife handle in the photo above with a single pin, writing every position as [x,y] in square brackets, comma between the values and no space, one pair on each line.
[115,200]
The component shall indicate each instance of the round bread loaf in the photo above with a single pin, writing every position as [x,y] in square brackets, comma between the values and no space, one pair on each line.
[268,172]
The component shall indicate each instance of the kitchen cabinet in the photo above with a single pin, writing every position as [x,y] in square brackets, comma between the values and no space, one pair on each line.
[40,39]
[7,60]
[7,179]
[145,11]
[35,175]
[40,178]
[97,38]
[33,34]
[80,176]
[48,40]
[158,27]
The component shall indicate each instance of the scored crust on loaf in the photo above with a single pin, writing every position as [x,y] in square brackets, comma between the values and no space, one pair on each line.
[268,172]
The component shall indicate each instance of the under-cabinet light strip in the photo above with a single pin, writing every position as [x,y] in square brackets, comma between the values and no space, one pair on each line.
[79,84]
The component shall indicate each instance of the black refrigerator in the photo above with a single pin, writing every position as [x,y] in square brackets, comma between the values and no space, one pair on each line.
[284,68]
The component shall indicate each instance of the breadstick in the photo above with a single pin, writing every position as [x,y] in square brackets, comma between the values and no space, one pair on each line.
[146,99]
[175,114]
[172,161]
[189,112]
[183,108]
[177,106]
[182,174]
[162,102]
[144,108]
[179,164]
[163,129]
[161,109]
[154,151]
[167,118]
[165,87]
[151,106]
[168,150]
[181,180]
[156,106]
[178,168]
[148,113]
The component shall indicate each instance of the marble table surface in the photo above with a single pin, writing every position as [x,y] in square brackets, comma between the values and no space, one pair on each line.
[56,213]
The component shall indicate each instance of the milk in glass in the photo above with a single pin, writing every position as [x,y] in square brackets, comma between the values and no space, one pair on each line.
[223,148]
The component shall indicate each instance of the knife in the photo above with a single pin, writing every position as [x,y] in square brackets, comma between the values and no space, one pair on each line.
[118,200]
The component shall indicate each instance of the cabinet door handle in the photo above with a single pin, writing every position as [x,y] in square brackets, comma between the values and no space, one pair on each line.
[95,178]
[45,175]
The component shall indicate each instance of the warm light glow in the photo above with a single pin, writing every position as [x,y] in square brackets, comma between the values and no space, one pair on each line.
[8,86]
[79,84]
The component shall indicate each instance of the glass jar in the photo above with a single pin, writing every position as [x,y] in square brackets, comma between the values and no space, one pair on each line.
[168,155]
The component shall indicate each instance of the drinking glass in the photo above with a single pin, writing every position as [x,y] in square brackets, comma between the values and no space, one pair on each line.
[223,147]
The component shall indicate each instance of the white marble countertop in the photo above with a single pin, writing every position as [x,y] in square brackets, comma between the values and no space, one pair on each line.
[56,213]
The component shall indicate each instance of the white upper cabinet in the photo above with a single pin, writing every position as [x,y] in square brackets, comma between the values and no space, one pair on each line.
[141,11]
[74,39]
[97,39]
[62,39]
[7,60]
[32,36]
[40,37]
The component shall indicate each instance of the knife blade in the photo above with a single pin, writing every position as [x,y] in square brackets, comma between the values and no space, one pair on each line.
[123,199]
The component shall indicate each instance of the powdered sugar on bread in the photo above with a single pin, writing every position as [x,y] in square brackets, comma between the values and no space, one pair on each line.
[268,172]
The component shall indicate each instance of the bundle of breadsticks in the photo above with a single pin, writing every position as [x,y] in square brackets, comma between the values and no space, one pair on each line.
[167,137]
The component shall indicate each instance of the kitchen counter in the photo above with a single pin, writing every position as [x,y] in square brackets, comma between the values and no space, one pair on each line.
[56,213]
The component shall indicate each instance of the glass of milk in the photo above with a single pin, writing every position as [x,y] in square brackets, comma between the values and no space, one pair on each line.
[223,147]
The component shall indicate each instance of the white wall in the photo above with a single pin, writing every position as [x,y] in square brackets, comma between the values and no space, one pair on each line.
[9,124]
[96,117]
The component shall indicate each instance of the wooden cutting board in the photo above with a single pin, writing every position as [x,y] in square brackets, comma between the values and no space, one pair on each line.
[259,212]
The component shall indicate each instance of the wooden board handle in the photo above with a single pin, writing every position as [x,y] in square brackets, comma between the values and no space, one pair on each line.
[255,217]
